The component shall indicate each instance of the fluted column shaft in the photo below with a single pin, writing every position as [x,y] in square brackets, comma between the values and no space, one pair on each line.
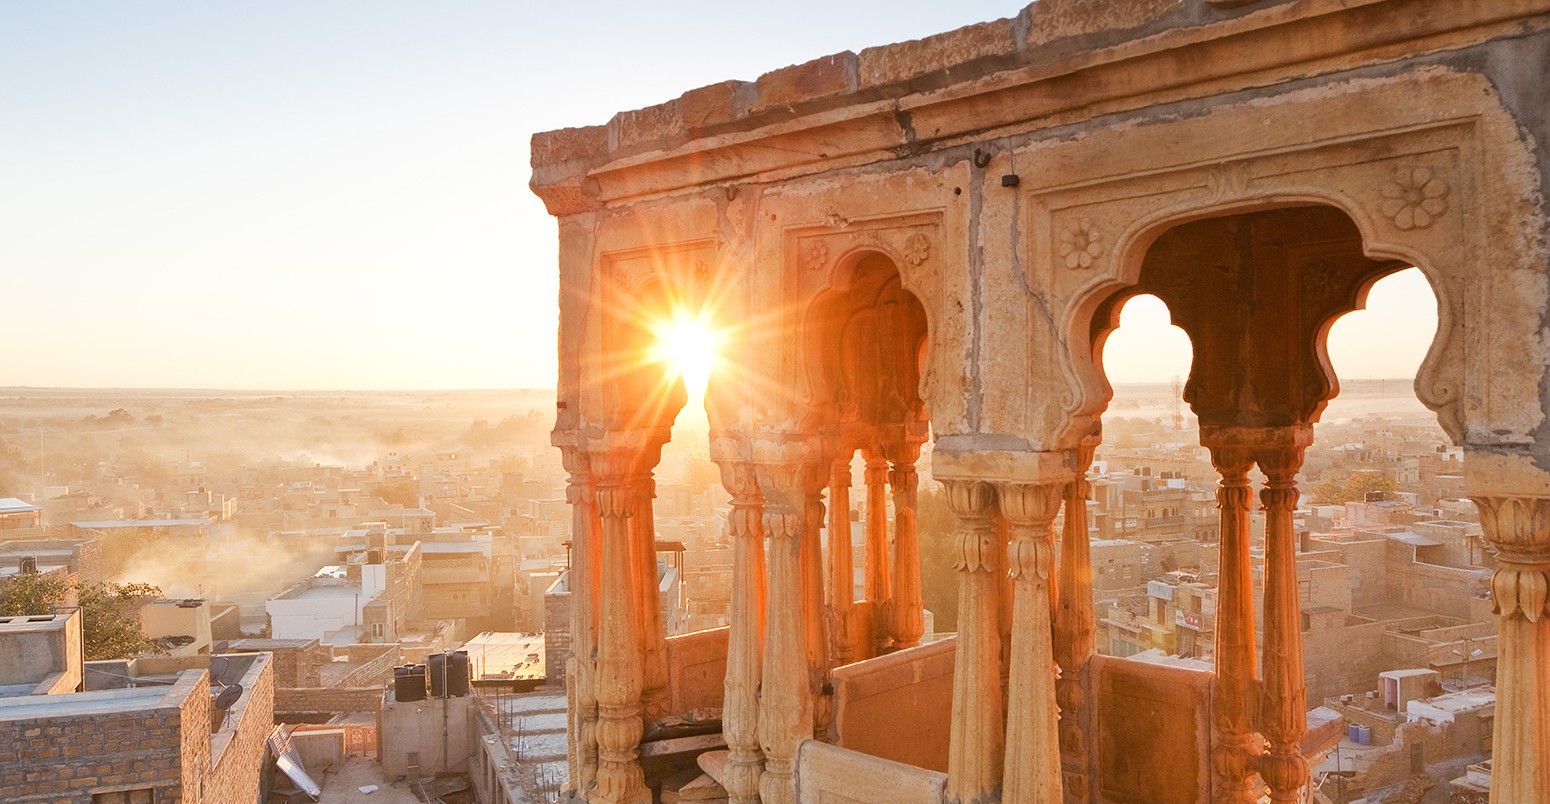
[786,700]
[1234,697]
[1519,528]
[907,620]
[745,642]
[586,556]
[653,636]
[976,746]
[841,573]
[1075,627]
[619,727]
[878,584]
[1032,722]
[1284,713]
[816,627]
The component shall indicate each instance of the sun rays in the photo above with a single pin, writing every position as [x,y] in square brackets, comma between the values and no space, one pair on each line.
[689,345]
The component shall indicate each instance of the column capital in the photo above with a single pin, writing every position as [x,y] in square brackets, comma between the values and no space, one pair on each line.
[1030,509]
[1519,528]
[741,481]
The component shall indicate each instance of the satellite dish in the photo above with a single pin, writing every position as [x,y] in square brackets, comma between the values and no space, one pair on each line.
[220,647]
[228,697]
[218,667]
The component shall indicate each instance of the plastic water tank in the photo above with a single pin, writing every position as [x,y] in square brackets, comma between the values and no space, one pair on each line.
[1364,735]
[1353,733]
[437,670]
[409,683]
[458,673]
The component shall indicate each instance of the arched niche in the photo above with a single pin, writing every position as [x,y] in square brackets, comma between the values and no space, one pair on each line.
[865,341]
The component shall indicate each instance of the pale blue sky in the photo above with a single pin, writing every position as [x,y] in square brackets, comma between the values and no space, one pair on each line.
[334,195]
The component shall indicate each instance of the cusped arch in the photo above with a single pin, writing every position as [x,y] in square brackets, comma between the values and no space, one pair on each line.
[1094,312]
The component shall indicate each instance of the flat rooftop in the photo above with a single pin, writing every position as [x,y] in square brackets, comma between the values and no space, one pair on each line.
[102,702]
[12,505]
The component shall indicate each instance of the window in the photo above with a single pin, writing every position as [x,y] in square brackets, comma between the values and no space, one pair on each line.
[142,796]
[376,630]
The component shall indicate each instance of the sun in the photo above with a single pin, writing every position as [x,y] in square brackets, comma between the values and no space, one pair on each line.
[689,346]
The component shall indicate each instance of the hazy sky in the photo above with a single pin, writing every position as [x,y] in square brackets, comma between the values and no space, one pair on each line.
[334,195]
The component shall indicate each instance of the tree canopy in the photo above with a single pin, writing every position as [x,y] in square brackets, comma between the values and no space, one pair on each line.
[1337,490]
[110,629]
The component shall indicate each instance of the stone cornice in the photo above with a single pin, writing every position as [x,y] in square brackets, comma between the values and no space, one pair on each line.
[1059,62]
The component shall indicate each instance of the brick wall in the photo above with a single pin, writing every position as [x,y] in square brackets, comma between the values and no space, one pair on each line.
[557,637]
[373,669]
[239,748]
[67,758]
[305,700]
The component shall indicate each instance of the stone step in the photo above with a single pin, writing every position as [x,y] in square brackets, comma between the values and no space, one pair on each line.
[714,763]
[700,789]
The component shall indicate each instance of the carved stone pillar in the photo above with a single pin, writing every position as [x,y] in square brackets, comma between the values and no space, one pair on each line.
[841,574]
[1234,700]
[1075,628]
[1284,712]
[1032,723]
[653,636]
[1519,528]
[581,669]
[906,618]
[619,727]
[878,585]
[976,746]
[786,701]
[815,625]
[745,642]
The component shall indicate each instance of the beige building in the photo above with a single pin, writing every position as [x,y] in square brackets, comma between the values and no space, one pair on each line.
[931,241]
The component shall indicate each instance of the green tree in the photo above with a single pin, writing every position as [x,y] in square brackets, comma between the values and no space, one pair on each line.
[399,492]
[110,628]
[1337,490]
[36,593]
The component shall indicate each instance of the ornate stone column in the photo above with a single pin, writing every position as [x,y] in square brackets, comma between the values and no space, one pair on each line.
[745,641]
[653,636]
[1234,699]
[975,752]
[1075,628]
[1284,712]
[878,585]
[841,574]
[906,620]
[786,701]
[619,727]
[1519,528]
[581,668]
[815,625]
[1032,722]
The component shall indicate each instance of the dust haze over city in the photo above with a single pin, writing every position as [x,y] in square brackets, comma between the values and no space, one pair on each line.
[360,399]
